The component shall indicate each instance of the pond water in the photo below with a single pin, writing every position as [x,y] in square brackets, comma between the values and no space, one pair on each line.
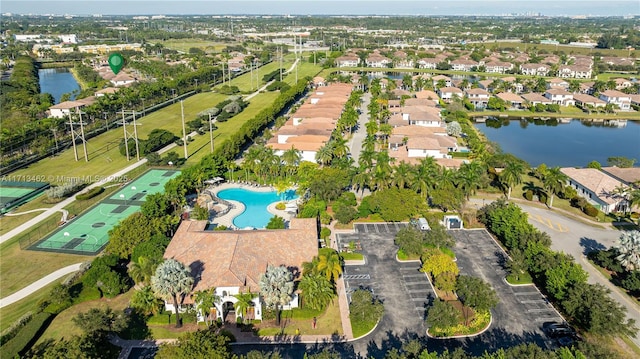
[572,144]
[57,82]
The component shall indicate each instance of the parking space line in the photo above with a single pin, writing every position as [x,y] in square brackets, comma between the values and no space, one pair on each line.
[547,319]
[527,293]
[533,301]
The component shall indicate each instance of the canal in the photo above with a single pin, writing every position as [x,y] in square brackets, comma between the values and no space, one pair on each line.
[569,143]
[57,82]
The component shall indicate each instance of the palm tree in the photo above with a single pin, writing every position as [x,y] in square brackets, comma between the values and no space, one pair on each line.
[245,301]
[146,301]
[554,181]
[629,250]
[339,146]
[317,291]
[324,154]
[329,264]
[360,180]
[468,179]
[276,287]
[143,269]
[401,175]
[171,281]
[281,187]
[511,175]
[205,300]
[291,159]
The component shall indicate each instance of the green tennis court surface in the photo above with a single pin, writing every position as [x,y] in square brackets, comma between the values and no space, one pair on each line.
[15,193]
[89,233]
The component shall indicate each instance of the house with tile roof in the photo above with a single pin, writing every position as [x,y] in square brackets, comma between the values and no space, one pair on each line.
[427,63]
[629,176]
[448,93]
[233,261]
[533,99]
[478,97]
[438,78]
[350,60]
[499,67]
[63,109]
[511,99]
[560,96]
[535,69]
[584,100]
[463,64]
[377,60]
[557,83]
[620,99]
[597,187]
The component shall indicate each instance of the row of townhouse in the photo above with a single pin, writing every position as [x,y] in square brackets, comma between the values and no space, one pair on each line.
[310,127]
[601,187]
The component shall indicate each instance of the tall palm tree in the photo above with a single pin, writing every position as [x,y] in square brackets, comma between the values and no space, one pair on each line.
[317,291]
[468,179]
[291,159]
[276,287]
[339,146]
[245,301]
[511,175]
[401,175]
[629,250]
[143,269]
[146,301]
[172,281]
[329,264]
[324,154]
[206,300]
[360,180]
[554,181]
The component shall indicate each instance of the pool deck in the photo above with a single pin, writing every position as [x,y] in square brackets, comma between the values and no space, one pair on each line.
[227,219]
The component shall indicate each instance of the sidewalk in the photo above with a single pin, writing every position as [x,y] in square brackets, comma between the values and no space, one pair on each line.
[40,283]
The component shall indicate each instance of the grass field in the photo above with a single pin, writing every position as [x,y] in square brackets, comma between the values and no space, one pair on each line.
[185,44]
[328,322]
[13,312]
[8,223]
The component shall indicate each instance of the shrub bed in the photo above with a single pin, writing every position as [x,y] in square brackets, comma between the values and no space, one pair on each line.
[28,333]
[92,193]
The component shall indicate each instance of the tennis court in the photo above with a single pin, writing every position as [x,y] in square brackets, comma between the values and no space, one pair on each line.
[15,193]
[89,233]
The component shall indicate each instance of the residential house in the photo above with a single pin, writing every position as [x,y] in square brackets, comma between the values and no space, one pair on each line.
[560,97]
[447,93]
[535,69]
[233,261]
[620,99]
[597,187]
[514,101]
[629,176]
[499,67]
[427,63]
[622,84]
[426,116]
[486,85]
[427,94]
[535,98]
[463,64]
[430,146]
[377,60]
[575,71]
[584,100]
[63,109]
[478,97]
[349,60]
[557,83]
[438,78]
[402,60]
[512,84]
[106,91]
[122,79]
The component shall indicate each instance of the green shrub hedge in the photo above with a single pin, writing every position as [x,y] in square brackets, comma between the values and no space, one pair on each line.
[528,195]
[590,211]
[26,335]
[90,194]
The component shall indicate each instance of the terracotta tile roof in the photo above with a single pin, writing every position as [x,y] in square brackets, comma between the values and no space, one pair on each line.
[535,97]
[579,97]
[427,94]
[238,258]
[629,175]
[614,93]
[558,91]
[509,97]
[477,91]
[596,181]
[415,130]
[450,90]
[420,102]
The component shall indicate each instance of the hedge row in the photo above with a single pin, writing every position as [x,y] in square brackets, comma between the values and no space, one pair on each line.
[14,329]
[19,343]
[90,194]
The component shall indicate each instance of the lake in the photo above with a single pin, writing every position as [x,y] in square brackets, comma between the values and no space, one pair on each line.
[572,144]
[57,82]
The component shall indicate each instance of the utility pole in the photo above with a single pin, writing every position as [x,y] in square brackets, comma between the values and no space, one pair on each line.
[184,131]
[211,131]
[78,135]
[128,136]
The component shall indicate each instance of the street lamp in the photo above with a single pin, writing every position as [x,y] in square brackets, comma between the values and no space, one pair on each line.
[143,108]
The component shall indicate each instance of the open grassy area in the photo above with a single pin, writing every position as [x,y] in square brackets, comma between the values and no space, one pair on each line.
[185,44]
[328,323]
[13,312]
[63,327]
[8,223]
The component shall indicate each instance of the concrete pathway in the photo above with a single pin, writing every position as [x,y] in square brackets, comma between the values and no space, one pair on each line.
[355,144]
[39,284]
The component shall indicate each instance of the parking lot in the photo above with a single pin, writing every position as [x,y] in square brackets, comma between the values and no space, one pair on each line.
[404,290]
[522,309]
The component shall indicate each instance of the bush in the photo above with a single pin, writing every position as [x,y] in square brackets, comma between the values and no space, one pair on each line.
[542,197]
[15,328]
[64,190]
[325,232]
[92,193]
[281,206]
[344,213]
[528,195]
[26,335]
[590,211]
[579,202]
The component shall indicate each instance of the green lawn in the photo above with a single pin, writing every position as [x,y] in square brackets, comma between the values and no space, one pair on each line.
[328,323]
[8,223]
[13,312]
[185,44]
[553,48]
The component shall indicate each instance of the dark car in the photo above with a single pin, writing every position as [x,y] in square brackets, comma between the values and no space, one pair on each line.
[557,330]
[569,340]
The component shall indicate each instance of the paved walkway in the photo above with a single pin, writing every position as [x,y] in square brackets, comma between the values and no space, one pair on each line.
[40,283]
[355,144]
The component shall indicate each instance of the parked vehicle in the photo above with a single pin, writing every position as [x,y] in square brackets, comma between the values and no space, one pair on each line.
[557,330]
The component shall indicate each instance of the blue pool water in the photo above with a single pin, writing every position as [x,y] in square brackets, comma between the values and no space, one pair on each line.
[255,214]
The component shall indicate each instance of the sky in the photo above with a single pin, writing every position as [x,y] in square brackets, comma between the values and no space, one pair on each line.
[323,7]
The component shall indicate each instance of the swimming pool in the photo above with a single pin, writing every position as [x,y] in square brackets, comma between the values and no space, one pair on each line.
[255,213]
